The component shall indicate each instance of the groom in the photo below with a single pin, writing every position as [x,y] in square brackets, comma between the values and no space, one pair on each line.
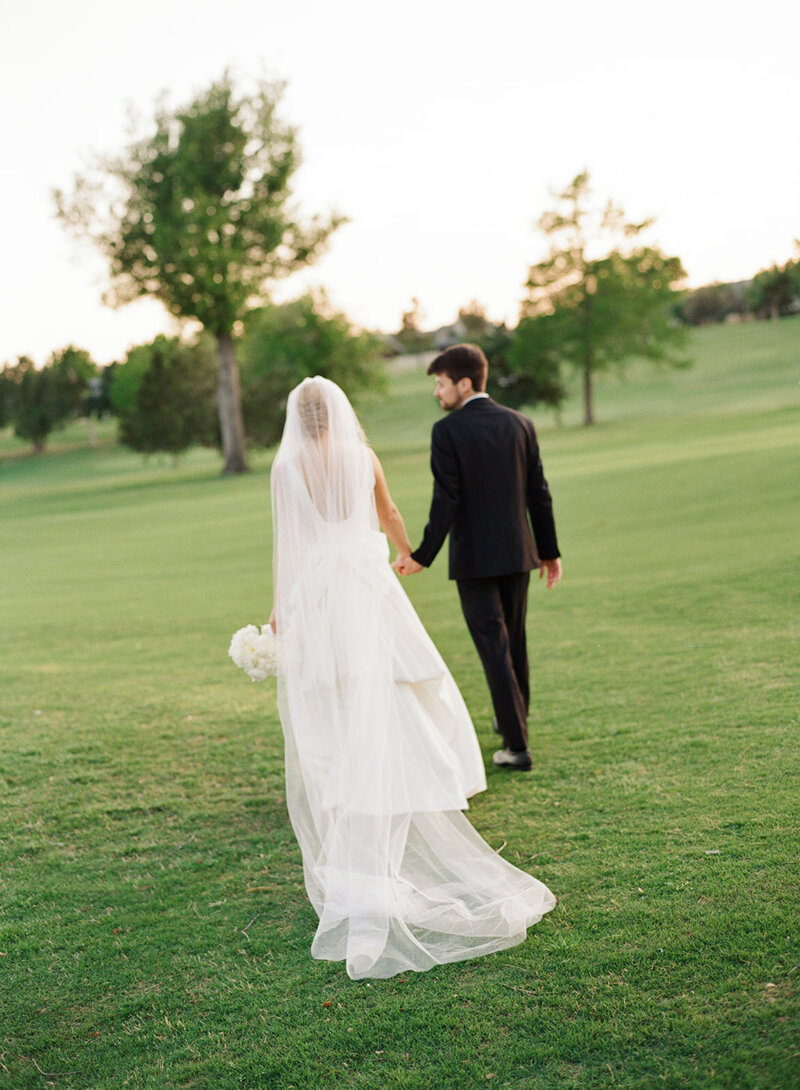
[488,479]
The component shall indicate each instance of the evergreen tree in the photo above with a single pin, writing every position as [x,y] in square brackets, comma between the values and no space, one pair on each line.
[39,400]
[164,396]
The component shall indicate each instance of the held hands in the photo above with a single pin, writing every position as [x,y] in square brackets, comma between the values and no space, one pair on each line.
[553,569]
[406,565]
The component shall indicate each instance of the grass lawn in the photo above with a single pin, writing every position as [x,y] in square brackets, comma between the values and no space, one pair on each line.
[154,929]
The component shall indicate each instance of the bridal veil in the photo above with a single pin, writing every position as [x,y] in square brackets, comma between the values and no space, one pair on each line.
[381,755]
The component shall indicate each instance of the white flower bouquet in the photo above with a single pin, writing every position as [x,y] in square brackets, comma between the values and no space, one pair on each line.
[255,650]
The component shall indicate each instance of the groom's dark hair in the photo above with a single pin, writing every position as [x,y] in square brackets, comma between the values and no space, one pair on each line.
[462,361]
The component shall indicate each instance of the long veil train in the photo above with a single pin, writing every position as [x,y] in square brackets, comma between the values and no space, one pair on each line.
[381,755]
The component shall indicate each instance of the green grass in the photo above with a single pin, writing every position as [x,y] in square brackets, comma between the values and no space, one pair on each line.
[155,930]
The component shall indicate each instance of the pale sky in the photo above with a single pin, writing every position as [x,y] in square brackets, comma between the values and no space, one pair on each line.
[438,126]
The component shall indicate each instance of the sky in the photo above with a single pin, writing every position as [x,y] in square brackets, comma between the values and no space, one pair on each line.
[440,128]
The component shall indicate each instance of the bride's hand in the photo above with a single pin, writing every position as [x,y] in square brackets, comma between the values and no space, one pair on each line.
[406,565]
[272,623]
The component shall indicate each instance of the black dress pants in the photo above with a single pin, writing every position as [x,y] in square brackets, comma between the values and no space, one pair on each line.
[495,611]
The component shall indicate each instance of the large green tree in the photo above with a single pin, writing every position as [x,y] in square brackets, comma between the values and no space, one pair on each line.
[198,214]
[601,297]
[285,343]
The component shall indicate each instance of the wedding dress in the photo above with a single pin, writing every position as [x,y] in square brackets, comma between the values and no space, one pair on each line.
[381,754]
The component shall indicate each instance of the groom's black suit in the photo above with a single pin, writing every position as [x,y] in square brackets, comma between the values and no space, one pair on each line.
[488,481]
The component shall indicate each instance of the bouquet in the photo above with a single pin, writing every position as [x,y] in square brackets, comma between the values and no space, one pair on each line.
[255,650]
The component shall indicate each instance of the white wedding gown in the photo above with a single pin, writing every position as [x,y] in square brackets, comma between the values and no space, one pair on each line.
[381,755]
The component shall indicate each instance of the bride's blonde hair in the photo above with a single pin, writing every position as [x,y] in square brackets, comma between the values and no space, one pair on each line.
[312,408]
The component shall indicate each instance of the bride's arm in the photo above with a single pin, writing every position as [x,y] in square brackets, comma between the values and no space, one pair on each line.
[389,517]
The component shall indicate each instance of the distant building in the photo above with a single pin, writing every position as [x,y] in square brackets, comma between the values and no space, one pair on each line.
[447,335]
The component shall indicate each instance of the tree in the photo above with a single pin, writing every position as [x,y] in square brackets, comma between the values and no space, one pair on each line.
[98,403]
[197,214]
[39,400]
[283,344]
[6,389]
[411,334]
[78,371]
[595,313]
[164,396]
[776,290]
[472,319]
[519,373]
[712,303]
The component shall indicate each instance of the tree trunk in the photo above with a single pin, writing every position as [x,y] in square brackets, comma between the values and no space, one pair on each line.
[229,404]
[775,310]
[588,394]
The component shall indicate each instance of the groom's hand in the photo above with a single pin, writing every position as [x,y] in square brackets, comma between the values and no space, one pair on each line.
[553,569]
[406,565]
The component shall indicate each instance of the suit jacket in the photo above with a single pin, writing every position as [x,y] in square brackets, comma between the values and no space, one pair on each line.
[488,480]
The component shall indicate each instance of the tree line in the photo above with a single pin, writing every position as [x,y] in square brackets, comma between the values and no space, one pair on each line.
[164,393]
[772,293]
[198,213]
[37,400]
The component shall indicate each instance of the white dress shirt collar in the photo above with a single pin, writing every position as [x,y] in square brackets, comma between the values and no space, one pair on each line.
[472,397]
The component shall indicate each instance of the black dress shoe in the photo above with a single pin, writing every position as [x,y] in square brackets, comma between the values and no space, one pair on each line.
[514,759]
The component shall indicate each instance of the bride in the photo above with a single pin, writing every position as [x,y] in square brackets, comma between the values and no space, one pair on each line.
[381,755]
